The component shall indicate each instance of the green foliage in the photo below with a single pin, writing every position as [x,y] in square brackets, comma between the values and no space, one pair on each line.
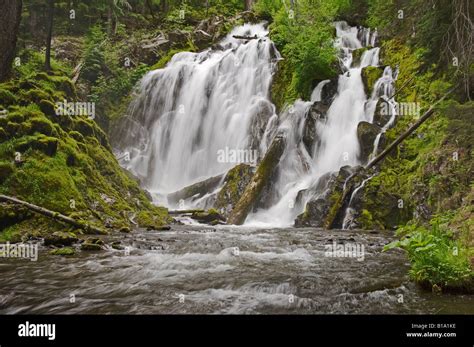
[437,258]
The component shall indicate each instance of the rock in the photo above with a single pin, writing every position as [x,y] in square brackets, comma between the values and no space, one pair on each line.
[207,217]
[201,39]
[262,179]
[91,247]
[95,241]
[235,182]
[263,111]
[60,238]
[178,36]
[329,91]
[196,190]
[325,209]
[316,113]
[65,251]
[382,113]
[366,133]
[117,245]
[357,55]
[125,230]
[370,75]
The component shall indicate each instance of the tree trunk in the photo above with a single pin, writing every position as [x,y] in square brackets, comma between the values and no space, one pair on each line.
[10,17]
[47,59]
[248,5]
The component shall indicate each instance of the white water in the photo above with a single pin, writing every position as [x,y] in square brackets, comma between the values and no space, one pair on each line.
[202,103]
[199,104]
[339,145]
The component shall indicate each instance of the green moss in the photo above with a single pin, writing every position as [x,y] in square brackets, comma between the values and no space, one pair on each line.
[370,75]
[65,251]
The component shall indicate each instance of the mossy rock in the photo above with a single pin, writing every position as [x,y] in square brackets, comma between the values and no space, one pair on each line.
[6,169]
[91,247]
[208,217]
[77,136]
[366,134]
[60,238]
[198,189]
[235,183]
[7,98]
[42,125]
[370,75]
[47,145]
[260,180]
[47,107]
[3,135]
[357,55]
[34,95]
[65,251]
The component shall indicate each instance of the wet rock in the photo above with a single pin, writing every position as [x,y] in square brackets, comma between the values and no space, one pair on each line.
[329,91]
[262,179]
[125,230]
[211,216]
[117,245]
[60,238]
[324,209]
[196,190]
[235,183]
[65,251]
[357,55]
[370,75]
[317,112]
[382,113]
[263,111]
[90,247]
[367,133]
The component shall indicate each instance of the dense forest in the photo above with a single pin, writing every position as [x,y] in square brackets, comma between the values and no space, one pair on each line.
[95,53]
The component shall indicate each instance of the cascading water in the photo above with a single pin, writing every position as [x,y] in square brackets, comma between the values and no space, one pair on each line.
[338,143]
[200,104]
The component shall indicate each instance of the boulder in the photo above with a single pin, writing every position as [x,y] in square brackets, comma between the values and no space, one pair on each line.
[370,75]
[235,183]
[196,190]
[330,196]
[201,39]
[382,113]
[261,179]
[60,238]
[212,216]
[317,112]
[367,133]
[329,91]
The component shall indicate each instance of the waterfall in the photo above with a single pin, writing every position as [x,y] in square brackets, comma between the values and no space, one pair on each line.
[203,103]
[337,134]
[198,105]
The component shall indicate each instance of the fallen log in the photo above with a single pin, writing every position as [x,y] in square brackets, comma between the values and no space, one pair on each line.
[177,212]
[52,214]
[239,37]
[407,133]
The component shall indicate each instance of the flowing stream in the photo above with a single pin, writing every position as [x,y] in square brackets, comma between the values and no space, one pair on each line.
[197,269]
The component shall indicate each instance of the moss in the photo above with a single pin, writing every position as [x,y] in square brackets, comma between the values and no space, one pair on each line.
[370,75]
[91,247]
[65,251]
[6,97]
[261,178]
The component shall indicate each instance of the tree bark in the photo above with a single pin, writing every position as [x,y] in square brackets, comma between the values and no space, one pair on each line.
[47,58]
[10,17]
[248,5]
